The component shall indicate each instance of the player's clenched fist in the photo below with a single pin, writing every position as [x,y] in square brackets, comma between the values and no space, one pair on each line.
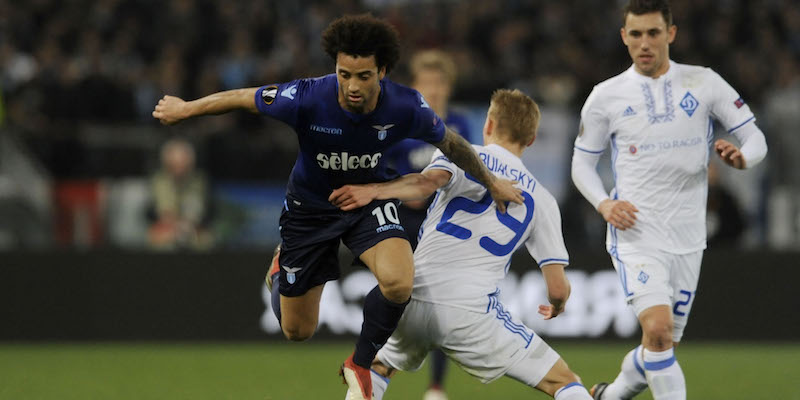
[730,154]
[619,213]
[169,110]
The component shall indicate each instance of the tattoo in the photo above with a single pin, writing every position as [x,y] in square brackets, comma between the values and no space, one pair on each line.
[460,152]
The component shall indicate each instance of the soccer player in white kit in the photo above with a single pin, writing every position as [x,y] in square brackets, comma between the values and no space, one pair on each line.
[658,117]
[465,249]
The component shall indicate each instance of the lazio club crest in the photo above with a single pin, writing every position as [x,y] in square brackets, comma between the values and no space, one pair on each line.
[383,130]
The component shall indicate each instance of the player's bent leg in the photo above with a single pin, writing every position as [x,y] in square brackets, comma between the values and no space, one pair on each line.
[381,375]
[300,314]
[657,326]
[563,384]
[630,382]
[542,368]
[392,263]
[273,274]
[438,368]
[664,374]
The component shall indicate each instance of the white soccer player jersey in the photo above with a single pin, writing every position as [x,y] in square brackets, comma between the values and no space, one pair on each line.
[466,245]
[661,131]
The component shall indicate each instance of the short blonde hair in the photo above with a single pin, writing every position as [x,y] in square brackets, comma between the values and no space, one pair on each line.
[516,115]
[434,60]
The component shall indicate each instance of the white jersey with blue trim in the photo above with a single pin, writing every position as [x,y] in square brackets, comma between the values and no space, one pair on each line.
[466,245]
[660,132]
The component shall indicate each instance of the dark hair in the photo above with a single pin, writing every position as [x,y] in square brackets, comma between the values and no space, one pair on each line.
[363,35]
[639,7]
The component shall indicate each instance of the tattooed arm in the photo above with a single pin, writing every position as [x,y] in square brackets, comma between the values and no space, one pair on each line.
[460,152]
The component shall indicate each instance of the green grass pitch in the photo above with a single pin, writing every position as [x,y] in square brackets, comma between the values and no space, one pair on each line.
[287,371]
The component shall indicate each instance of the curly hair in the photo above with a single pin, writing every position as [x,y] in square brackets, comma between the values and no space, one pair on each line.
[363,35]
[639,7]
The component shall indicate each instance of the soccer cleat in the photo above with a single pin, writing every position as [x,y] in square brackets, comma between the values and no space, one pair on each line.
[357,378]
[434,394]
[274,267]
[597,390]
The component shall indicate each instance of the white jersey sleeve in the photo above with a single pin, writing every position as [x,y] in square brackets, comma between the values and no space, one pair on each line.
[546,242]
[440,161]
[594,133]
[590,144]
[730,109]
[727,106]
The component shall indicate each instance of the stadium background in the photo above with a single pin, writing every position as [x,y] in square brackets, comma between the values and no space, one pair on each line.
[89,310]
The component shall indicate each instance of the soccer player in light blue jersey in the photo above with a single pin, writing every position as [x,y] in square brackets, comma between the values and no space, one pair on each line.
[657,117]
[465,249]
[344,123]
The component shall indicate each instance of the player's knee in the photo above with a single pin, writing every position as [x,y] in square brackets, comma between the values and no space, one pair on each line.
[397,290]
[297,333]
[657,335]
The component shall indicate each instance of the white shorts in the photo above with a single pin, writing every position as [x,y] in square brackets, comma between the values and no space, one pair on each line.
[653,277]
[486,345]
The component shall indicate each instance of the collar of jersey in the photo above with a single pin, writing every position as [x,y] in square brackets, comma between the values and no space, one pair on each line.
[636,75]
[357,118]
[503,149]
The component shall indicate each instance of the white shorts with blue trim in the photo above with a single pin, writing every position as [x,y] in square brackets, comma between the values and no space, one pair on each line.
[485,345]
[654,277]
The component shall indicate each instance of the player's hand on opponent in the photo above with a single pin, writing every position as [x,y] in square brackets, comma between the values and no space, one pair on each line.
[350,197]
[502,191]
[550,311]
[729,153]
[619,213]
[170,110]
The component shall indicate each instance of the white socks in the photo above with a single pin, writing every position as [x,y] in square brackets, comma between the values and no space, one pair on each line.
[631,379]
[379,385]
[664,375]
[573,391]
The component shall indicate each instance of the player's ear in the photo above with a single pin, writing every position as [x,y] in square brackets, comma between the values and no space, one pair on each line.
[381,72]
[623,35]
[671,32]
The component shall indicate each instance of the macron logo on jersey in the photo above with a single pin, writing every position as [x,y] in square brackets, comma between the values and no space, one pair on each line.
[289,92]
[325,129]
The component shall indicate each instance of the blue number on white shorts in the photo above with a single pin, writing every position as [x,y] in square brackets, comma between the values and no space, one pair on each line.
[472,207]
[682,303]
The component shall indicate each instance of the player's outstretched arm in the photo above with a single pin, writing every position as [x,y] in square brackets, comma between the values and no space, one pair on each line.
[405,188]
[460,152]
[558,290]
[171,110]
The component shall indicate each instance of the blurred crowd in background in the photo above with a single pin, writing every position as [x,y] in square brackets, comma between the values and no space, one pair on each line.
[83,164]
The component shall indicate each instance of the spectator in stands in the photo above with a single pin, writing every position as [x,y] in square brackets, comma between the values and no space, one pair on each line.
[180,212]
